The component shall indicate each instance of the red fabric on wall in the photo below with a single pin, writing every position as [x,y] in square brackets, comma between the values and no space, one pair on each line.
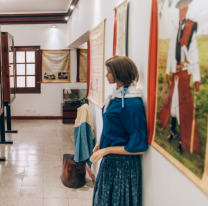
[88,65]
[152,71]
[115,33]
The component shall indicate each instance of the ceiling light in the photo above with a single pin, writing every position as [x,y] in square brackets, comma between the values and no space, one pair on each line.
[72,7]
[66,18]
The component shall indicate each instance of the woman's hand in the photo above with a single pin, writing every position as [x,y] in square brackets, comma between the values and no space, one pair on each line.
[96,148]
[98,155]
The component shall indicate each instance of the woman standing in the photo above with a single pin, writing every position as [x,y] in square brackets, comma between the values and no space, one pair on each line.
[123,139]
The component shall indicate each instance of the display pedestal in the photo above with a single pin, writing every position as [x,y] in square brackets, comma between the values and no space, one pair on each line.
[69,113]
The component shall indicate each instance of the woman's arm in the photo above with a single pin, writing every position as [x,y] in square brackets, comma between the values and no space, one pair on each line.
[111,150]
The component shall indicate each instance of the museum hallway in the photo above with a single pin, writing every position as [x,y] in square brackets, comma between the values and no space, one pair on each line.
[31,174]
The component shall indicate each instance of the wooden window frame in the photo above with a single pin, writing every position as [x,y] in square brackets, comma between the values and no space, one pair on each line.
[38,66]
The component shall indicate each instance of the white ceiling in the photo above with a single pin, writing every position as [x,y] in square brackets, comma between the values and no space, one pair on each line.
[33,6]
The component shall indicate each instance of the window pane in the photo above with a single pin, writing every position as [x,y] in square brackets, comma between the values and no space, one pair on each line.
[11,70]
[30,56]
[20,69]
[11,58]
[20,57]
[30,69]
[20,81]
[31,81]
[11,82]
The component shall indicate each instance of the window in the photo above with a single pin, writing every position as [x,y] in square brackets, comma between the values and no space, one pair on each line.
[28,69]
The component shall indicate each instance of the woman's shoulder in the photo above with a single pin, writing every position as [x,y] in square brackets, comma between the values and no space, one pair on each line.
[134,102]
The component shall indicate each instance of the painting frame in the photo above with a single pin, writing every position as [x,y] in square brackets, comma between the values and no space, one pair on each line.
[160,142]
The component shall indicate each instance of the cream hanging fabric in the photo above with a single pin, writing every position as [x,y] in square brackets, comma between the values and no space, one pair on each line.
[55,66]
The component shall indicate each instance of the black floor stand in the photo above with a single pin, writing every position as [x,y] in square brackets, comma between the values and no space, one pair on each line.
[9,123]
[2,128]
[2,159]
[2,132]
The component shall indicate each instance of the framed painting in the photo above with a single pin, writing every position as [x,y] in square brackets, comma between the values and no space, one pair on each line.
[181,114]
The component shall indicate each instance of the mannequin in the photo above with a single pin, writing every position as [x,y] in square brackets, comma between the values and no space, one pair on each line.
[123,138]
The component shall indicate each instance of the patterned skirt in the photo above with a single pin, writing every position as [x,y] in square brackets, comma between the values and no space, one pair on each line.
[119,181]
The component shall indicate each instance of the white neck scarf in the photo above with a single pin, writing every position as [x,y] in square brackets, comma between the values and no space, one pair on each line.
[122,92]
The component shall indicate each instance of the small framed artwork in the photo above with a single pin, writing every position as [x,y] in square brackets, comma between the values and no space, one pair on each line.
[49,76]
[63,75]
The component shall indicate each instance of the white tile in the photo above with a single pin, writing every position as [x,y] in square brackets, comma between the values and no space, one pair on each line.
[53,172]
[55,192]
[32,181]
[8,201]
[56,202]
[10,191]
[54,181]
[78,202]
[30,202]
[34,171]
[8,180]
[31,191]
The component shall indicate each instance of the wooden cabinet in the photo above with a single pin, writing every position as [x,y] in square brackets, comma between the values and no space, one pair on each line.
[69,113]
[9,67]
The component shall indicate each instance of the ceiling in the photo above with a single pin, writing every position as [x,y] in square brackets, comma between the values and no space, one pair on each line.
[33,6]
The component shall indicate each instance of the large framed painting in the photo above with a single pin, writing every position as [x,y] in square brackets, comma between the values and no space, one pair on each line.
[181,115]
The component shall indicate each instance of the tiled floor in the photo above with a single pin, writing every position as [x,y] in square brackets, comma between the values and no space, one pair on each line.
[31,174]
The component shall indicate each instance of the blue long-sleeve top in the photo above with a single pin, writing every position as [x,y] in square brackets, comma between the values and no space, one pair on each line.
[125,126]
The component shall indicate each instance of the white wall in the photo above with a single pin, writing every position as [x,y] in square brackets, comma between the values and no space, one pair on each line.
[163,184]
[48,102]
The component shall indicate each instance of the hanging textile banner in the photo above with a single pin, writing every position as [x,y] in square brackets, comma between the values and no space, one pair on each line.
[82,65]
[120,30]
[55,66]
[97,51]
[181,116]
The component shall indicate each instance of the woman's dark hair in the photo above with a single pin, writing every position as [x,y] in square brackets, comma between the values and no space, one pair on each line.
[123,69]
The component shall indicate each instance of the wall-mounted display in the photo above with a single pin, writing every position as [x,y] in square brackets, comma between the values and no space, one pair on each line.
[181,128]
[55,66]
[82,65]
[97,51]
[9,67]
[120,30]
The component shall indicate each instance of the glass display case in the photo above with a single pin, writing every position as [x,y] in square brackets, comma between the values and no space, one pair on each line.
[74,96]
[9,67]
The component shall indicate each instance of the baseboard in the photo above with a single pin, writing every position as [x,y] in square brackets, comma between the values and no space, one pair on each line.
[35,117]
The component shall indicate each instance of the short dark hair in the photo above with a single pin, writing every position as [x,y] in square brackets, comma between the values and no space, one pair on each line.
[123,69]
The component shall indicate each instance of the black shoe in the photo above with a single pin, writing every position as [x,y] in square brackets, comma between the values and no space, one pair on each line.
[171,136]
[180,149]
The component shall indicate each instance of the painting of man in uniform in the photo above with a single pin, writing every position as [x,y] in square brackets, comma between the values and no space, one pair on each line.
[182,87]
